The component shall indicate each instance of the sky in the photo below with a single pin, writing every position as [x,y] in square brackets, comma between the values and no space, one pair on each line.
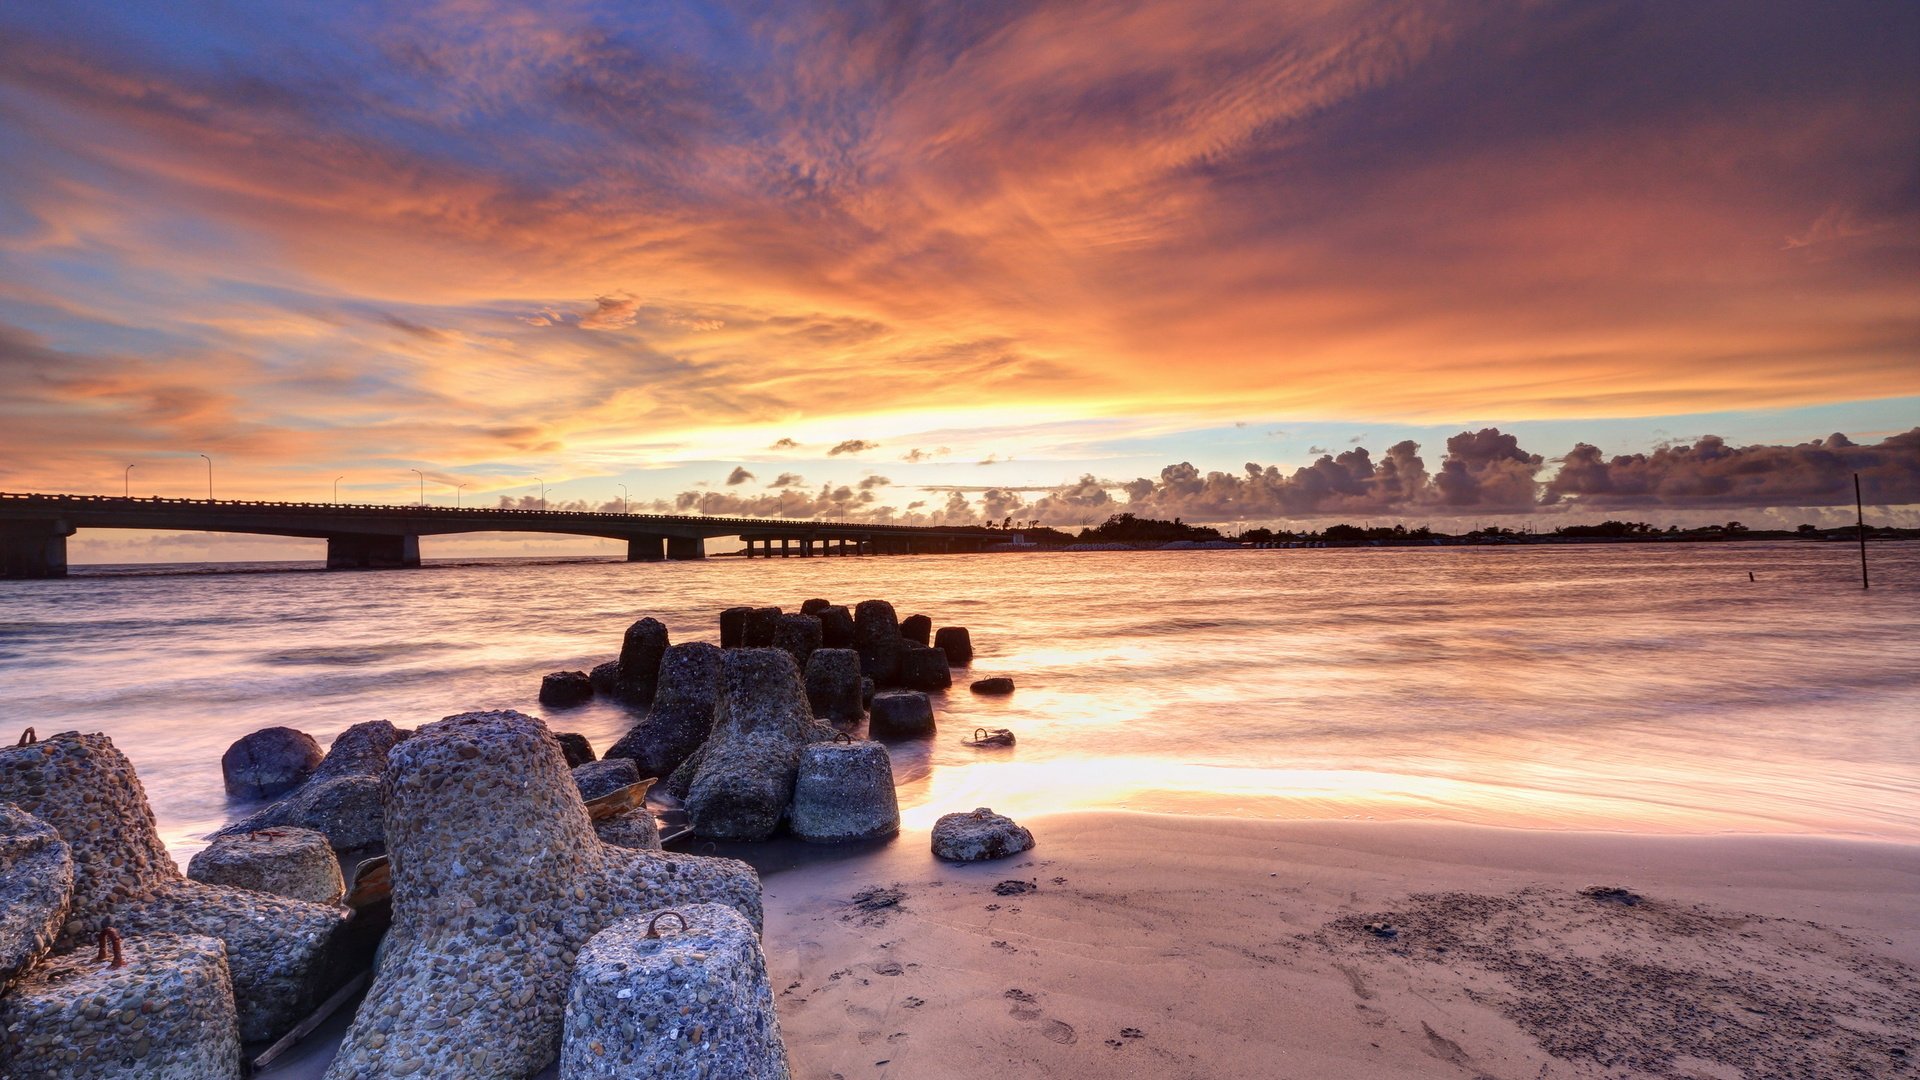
[1253,263]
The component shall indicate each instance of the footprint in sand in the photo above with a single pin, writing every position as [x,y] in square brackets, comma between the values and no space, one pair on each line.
[1059,1032]
[1025,1005]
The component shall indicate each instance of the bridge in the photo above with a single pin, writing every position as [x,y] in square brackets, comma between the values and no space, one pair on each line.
[34,530]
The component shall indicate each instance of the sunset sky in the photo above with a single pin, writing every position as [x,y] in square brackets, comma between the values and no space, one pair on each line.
[1026,256]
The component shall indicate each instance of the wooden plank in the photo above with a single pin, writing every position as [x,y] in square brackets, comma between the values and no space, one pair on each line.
[315,1019]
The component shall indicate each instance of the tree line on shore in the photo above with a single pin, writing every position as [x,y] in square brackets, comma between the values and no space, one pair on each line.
[1130,529]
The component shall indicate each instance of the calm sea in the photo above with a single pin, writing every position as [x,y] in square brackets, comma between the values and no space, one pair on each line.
[1646,687]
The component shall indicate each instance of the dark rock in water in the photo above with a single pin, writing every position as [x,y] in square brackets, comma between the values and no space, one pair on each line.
[815,606]
[833,685]
[290,862]
[844,791]
[682,713]
[997,685]
[703,958]
[867,690]
[990,737]
[876,635]
[498,881]
[598,778]
[168,1012]
[640,655]
[900,714]
[980,835]
[605,678]
[924,669]
[799,635]
[342,799]
[635,829]
[575,745]
[956,643]
[760,627]
[269,762]
[836,628]
[563,688]
[281,951]
[916,628]
[733,627]
[746,772]
[36,890]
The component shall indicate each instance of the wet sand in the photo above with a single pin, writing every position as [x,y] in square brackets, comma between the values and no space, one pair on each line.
[1131,944]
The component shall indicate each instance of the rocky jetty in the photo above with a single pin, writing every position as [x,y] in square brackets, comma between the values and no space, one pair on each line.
[682,713]
[758,630]
[733,627]
[36,890]
[295,863]
[844,791]
[280,950]
[799,635]
[498,882]
[342,798]
[900,714]
[876,636]
[640,654]
[144,1006]
[597,778]
[833,686]
[815,606]
[561,689]
[956,643]
[606,678]
[916,628]
[678,994]
[269,762]
[979,835]
[744,779]
[924,669]
[997,686]
[836,627]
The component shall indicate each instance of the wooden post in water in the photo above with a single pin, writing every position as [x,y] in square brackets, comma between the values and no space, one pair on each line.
[1860,515]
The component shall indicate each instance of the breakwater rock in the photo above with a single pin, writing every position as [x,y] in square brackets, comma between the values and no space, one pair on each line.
[682,713]
[269,762]
[341,801]
[36,889]
[844,791]
[979,835]
[744,778]
[295,863]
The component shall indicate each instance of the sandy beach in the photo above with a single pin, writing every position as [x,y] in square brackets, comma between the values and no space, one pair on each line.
[1144,945]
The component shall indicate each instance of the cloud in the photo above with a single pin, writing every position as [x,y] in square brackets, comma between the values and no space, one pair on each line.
[852,446]
[611,313]
[738,476]
[784,444]
[918,455]
[787,479]
[1711,473]
[870,482]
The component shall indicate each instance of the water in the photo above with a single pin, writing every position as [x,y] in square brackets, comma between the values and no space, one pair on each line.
[1642,687]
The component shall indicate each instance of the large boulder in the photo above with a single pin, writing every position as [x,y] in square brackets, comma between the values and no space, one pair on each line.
[682,712]
[636,829]
[956,643]
[290,862]
[36,890]
[876,636]
[833,686]
[342,799]
[924,669]
[844,791]
[598,778]
[165,1009]
[757,632]
[605,678]
[900,714]
[799,635]
[269,762]
[281,951]
[997,686]
[815,606]
[733,627]
[561,689]
[498,881]
[640,654]
[679,994]
[746,771]
[979,835]
[917,629]
[836,627]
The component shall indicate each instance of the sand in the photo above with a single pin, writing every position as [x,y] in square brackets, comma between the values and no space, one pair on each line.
[1143,945]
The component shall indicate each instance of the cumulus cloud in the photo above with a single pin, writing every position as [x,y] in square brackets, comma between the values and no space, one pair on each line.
[852,446]
[871,482]
[917,455]
[784,444]
[1711,473]
[787,480]
[611,313]
[738,476]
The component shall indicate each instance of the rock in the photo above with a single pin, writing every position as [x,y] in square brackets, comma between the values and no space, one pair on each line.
[867,690]
[36,890]
[342,799]
[636,829]
[680,781]
[998,685]
[745,779]
[815,606]
[757,632]
[916,628]
[799,635]
[598,778]
[733,627]
[833,685]
[498,881]
[984,738]
[682,712]
[836,628]
[269,762]
[575,746]
[564,688]
[605,678]
[956,643]
[678,994]
[640,654]
[980,835]
[876,635]
[167,1013]
[281,950]
[290,862]
[900,714]
[924,669]
[844,791]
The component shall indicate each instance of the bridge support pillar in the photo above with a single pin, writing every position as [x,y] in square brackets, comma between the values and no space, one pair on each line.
[646,548]
[786,547]
[681,548]
[806,548]
[34,549]
[371,551]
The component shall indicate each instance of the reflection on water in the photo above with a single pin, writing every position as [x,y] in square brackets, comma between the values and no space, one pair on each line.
[1644,687]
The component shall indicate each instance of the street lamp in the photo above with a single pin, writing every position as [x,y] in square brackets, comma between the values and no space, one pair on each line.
[543,493]
[423,485]
[209,477]
[623,499]
[126,479]
[336,489]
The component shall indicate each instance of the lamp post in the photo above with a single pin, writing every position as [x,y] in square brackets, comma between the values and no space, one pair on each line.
[543,494]
[336,489]
[209,477]
[456,494]
[423,485]
[126,480]
[623,500]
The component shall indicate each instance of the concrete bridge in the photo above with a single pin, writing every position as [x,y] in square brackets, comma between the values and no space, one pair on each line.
[34,530]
